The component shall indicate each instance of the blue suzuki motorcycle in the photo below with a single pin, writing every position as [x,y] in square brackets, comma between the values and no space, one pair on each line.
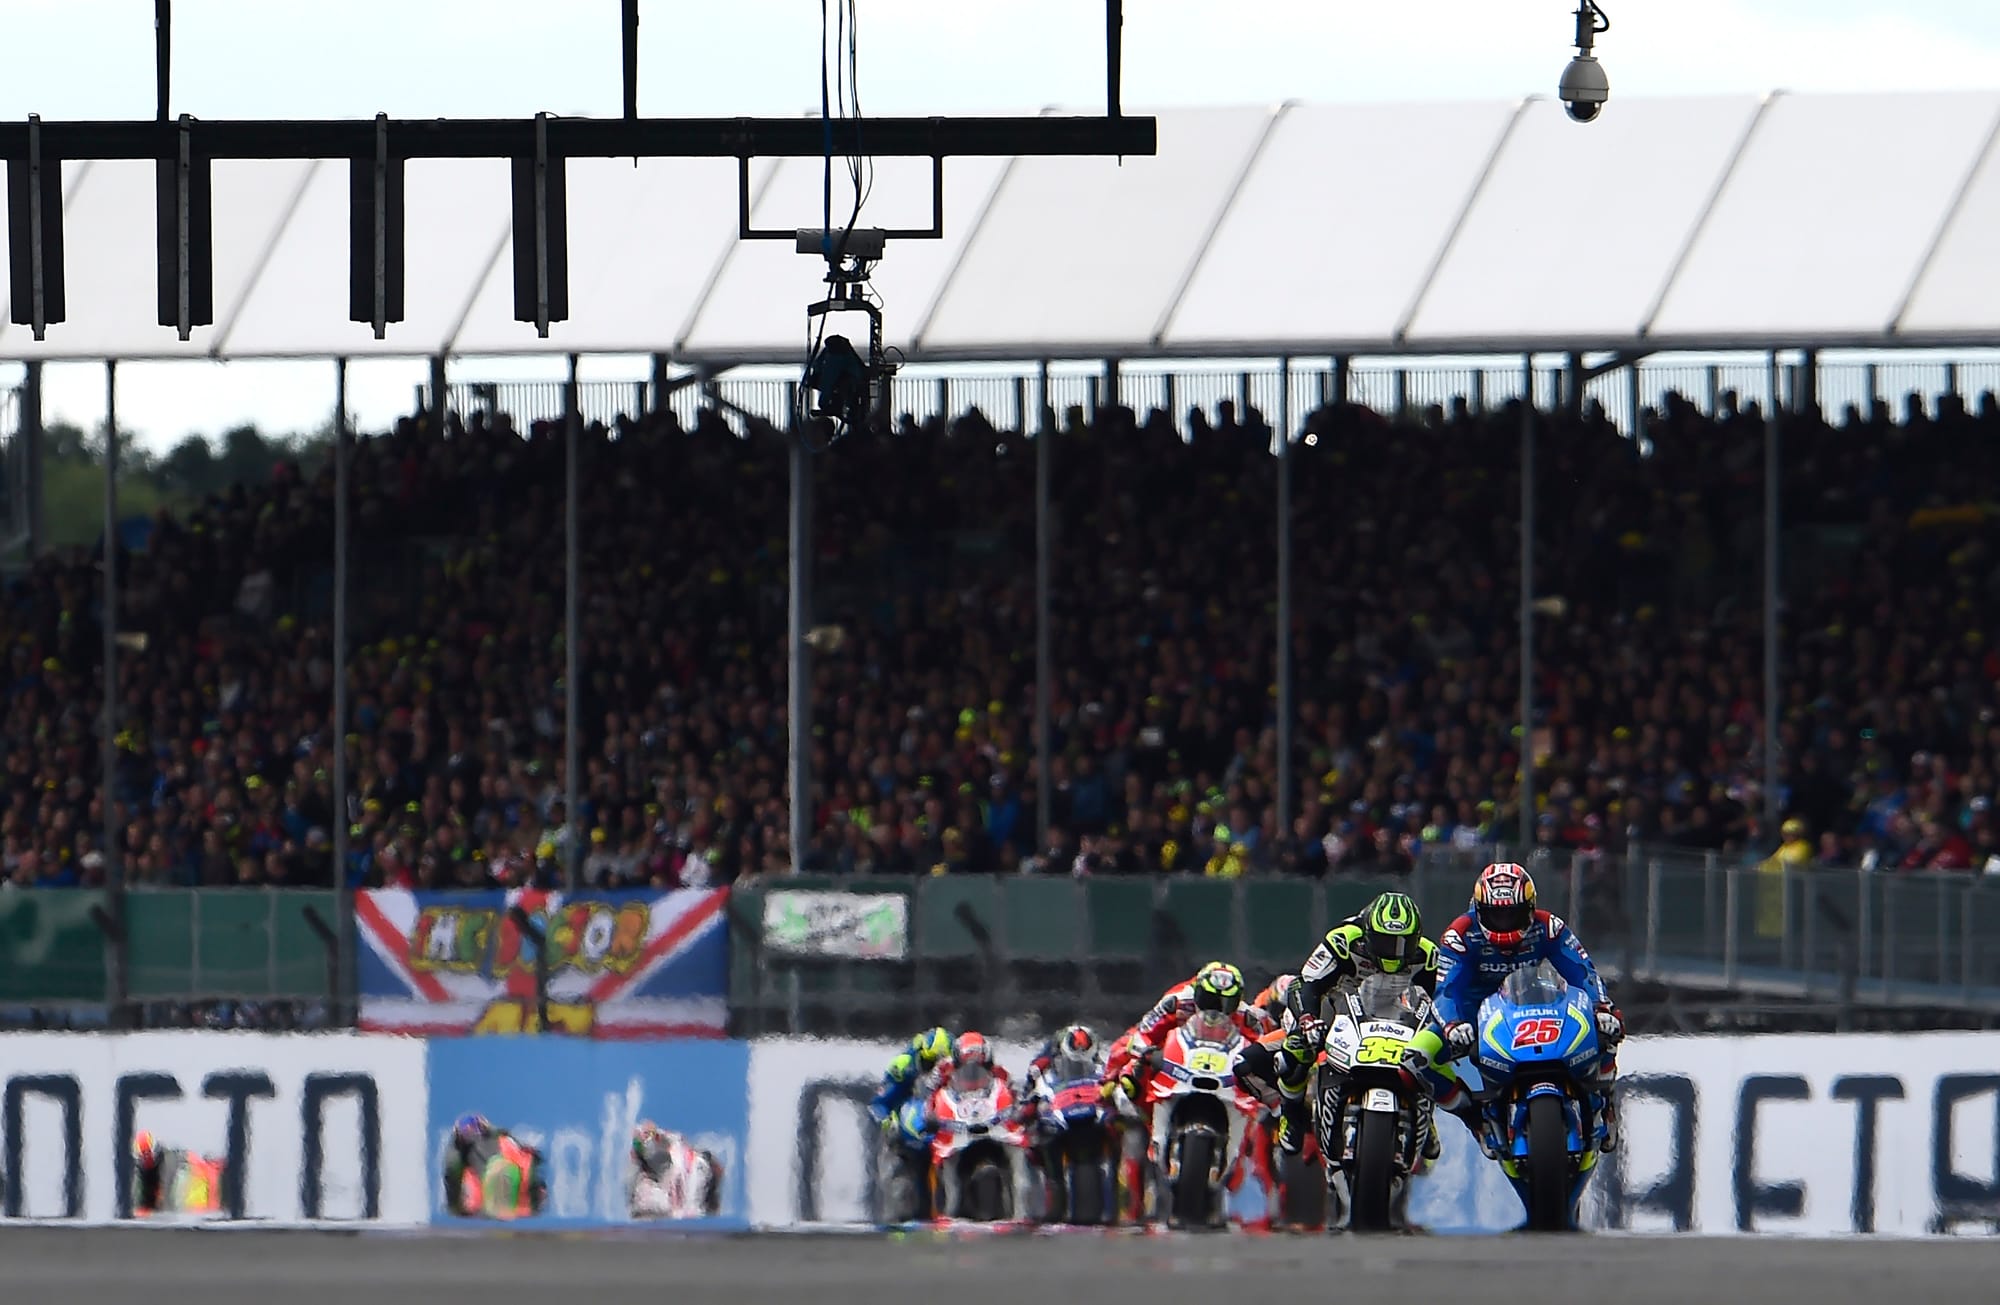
[1537,1054]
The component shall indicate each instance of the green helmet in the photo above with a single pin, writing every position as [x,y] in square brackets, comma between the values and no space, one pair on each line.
[1393,931]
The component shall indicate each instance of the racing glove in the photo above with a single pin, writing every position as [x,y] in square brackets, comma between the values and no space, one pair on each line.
[1458,1039]
[1610,1024]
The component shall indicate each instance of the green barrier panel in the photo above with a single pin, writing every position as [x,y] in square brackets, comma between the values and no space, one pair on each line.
[49,948]
[1203,912]
[941,929]
[1121,918]
[1278,915]
[186,943]
[1043,918]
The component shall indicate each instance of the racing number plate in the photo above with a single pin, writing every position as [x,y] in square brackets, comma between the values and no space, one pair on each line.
[1206,1060]
[1380,1051]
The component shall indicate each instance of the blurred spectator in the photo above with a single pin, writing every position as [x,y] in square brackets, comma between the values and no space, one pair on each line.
[1648,695]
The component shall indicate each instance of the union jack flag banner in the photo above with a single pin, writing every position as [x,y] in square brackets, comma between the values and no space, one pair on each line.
[623,964]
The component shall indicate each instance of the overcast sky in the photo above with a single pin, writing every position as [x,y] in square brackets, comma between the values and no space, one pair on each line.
[492,58]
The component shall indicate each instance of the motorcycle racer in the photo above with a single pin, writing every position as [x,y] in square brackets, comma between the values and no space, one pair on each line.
[671,1178]
[166,1178]
[927,1050]
[488,1172]
[1216,1003]
[1175,1007]
[1384,938]
[1276,1000]
[898,1108]
[1502,932]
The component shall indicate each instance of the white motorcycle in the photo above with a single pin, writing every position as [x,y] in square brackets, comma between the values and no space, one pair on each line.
[1200,1112]
[1370,1112]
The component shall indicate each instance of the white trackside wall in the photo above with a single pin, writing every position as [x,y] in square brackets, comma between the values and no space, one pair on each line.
[1792,1134]
[320,1127]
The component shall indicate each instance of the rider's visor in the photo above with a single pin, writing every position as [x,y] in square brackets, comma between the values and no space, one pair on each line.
[1506,919]
[1391,950]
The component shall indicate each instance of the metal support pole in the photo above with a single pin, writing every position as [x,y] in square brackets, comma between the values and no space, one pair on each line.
[1286,706]
[1771,607]
[1045,429]
[1114,46]
[798,707]
[163,58]
[114,858]
[344,900]
[662,380]
[36,433]
[440,395]
[1527,601]
[572,637]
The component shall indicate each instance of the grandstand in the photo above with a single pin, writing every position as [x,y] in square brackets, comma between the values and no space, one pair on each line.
[1234,297]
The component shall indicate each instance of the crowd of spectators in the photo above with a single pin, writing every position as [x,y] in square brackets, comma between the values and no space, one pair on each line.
[1648,723]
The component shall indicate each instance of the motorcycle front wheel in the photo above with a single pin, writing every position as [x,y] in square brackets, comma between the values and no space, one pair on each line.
[1374,1174]
[1192,1193]
[1084,1174]
[1548,1166]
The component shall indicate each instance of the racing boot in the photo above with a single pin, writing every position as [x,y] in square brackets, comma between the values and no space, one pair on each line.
[1467,1110]
[1607,1110]
[1427,1123]
[1293,1124]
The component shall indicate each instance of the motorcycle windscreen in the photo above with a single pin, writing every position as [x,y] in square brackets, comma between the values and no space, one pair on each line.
[1535,985]
[1387,997]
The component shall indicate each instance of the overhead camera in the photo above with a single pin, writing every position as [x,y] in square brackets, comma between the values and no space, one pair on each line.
[1584,87]
[844,389]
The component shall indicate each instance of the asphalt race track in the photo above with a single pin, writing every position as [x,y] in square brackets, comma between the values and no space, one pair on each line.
[242,1267]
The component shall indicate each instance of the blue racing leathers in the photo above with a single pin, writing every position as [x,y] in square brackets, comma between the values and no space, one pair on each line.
[1472,968]
[899,1097]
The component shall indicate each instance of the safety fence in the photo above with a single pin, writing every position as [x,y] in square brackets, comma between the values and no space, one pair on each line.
[864,956]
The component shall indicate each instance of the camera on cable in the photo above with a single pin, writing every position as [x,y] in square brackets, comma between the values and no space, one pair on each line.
[842,386]
[1584,87]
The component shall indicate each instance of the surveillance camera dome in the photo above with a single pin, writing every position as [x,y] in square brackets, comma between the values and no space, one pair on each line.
[1584,88]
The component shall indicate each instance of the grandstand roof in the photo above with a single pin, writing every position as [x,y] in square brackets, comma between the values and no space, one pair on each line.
[1700,223]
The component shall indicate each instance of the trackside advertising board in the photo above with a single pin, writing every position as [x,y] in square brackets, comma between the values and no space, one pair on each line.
[307,1127]
[577,1101]
[624,964]
[1800,1134]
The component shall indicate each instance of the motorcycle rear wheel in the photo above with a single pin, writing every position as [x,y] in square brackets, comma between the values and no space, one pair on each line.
[1548,1166]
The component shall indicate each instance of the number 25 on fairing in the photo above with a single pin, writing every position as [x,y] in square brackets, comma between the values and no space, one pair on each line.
[1537,1033]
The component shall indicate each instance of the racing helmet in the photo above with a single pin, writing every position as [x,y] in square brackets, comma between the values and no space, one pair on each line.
[932,1047]
[470,1128]
[1393,931]
[972,1067]
[145,1148]
[1217,992]
[1503,901]
[1224,977]
[643,1138]
[1078,1041]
